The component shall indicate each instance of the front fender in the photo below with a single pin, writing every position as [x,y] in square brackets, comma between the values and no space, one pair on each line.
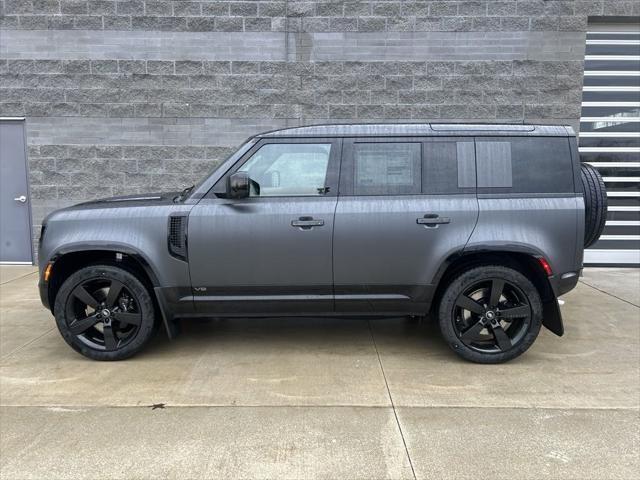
[138,232]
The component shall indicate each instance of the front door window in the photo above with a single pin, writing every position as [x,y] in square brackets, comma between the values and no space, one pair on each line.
[289,169]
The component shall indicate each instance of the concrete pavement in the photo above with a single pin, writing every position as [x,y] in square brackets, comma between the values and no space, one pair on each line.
[324,398]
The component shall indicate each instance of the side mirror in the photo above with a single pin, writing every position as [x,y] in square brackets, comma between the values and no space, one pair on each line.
[238,185]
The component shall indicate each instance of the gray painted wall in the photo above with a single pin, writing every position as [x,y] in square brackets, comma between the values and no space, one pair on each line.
[137,95]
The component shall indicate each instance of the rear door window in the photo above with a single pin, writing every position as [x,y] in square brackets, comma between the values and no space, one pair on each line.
[379,168]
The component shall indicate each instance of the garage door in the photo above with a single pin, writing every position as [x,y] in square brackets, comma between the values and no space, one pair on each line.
[610,136]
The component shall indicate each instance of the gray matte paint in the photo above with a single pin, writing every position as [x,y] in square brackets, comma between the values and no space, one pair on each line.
[251,243]
[545,226]
[379,242]
[132,226]
[371,254]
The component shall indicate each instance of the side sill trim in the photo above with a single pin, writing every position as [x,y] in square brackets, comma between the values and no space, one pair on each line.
[262,298]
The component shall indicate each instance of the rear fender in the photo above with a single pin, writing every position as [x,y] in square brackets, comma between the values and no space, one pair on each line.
[521,257]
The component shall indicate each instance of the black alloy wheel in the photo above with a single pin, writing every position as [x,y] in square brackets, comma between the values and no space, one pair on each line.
[105,312]
[490,314]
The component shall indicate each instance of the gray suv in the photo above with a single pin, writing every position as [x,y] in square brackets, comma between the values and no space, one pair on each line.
[481,226]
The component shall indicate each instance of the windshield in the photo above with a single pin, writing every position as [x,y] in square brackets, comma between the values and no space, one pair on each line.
[230,159]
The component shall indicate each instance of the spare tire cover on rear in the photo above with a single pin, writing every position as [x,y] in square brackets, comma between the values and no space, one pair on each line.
[595,204]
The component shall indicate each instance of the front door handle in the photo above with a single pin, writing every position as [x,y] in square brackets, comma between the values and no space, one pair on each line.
[432,220]
[307,223]
[21,199]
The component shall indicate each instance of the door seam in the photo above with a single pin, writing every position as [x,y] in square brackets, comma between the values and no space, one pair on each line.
[333,226]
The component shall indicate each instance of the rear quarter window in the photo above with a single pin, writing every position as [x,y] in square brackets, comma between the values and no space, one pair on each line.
[449,166]
[524,165]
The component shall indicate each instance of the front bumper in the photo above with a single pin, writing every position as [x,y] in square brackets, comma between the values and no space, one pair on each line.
[43,288]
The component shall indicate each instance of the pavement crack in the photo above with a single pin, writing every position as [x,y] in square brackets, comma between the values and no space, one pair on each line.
[7,355]
[610,294]
[395,413]
[18,278]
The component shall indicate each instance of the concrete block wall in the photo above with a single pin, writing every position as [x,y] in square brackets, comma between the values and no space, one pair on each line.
[136,95]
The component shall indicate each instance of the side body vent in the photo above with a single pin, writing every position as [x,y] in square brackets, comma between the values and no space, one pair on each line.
[177,236]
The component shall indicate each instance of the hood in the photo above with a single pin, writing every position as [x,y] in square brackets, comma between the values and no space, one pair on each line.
[142,200]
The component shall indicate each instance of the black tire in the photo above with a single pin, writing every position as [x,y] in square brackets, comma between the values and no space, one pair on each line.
[104,313]
[595,204]
[474,324]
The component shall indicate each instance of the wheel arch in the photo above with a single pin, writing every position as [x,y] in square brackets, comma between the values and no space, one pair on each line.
[68,260]
[525,261]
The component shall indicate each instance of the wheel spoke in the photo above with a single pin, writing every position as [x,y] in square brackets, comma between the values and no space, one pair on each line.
[502,339]
[472,331]
[114,292]
[128,318]
[82,325]
[110,340]
[497,286]
[469,304]
[515,312]
[84,296]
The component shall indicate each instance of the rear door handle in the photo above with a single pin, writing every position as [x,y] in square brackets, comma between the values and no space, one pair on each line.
[307,223]
[432,220]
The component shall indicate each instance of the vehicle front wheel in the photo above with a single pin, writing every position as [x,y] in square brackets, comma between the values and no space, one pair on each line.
[490,314]
[104,312]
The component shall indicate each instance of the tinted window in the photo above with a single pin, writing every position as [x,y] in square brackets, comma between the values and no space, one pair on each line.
[449,167]
[525,164]
[289,169]
[386,168]
[494,164]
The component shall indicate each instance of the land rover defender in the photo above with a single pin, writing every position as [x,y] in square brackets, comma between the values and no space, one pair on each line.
[480,226]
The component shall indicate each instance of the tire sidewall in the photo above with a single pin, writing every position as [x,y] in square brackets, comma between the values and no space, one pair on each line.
[464,281]
[595,203]
[144,300]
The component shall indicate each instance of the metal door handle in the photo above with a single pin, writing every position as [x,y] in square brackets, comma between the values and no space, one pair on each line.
[307,223]
[21,199]
[432,220]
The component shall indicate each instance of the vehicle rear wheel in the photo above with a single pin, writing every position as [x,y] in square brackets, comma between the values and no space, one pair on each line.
[490,314]
[105,313]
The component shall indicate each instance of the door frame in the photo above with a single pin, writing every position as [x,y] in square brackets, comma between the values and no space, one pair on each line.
[28,192]
[270,300]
